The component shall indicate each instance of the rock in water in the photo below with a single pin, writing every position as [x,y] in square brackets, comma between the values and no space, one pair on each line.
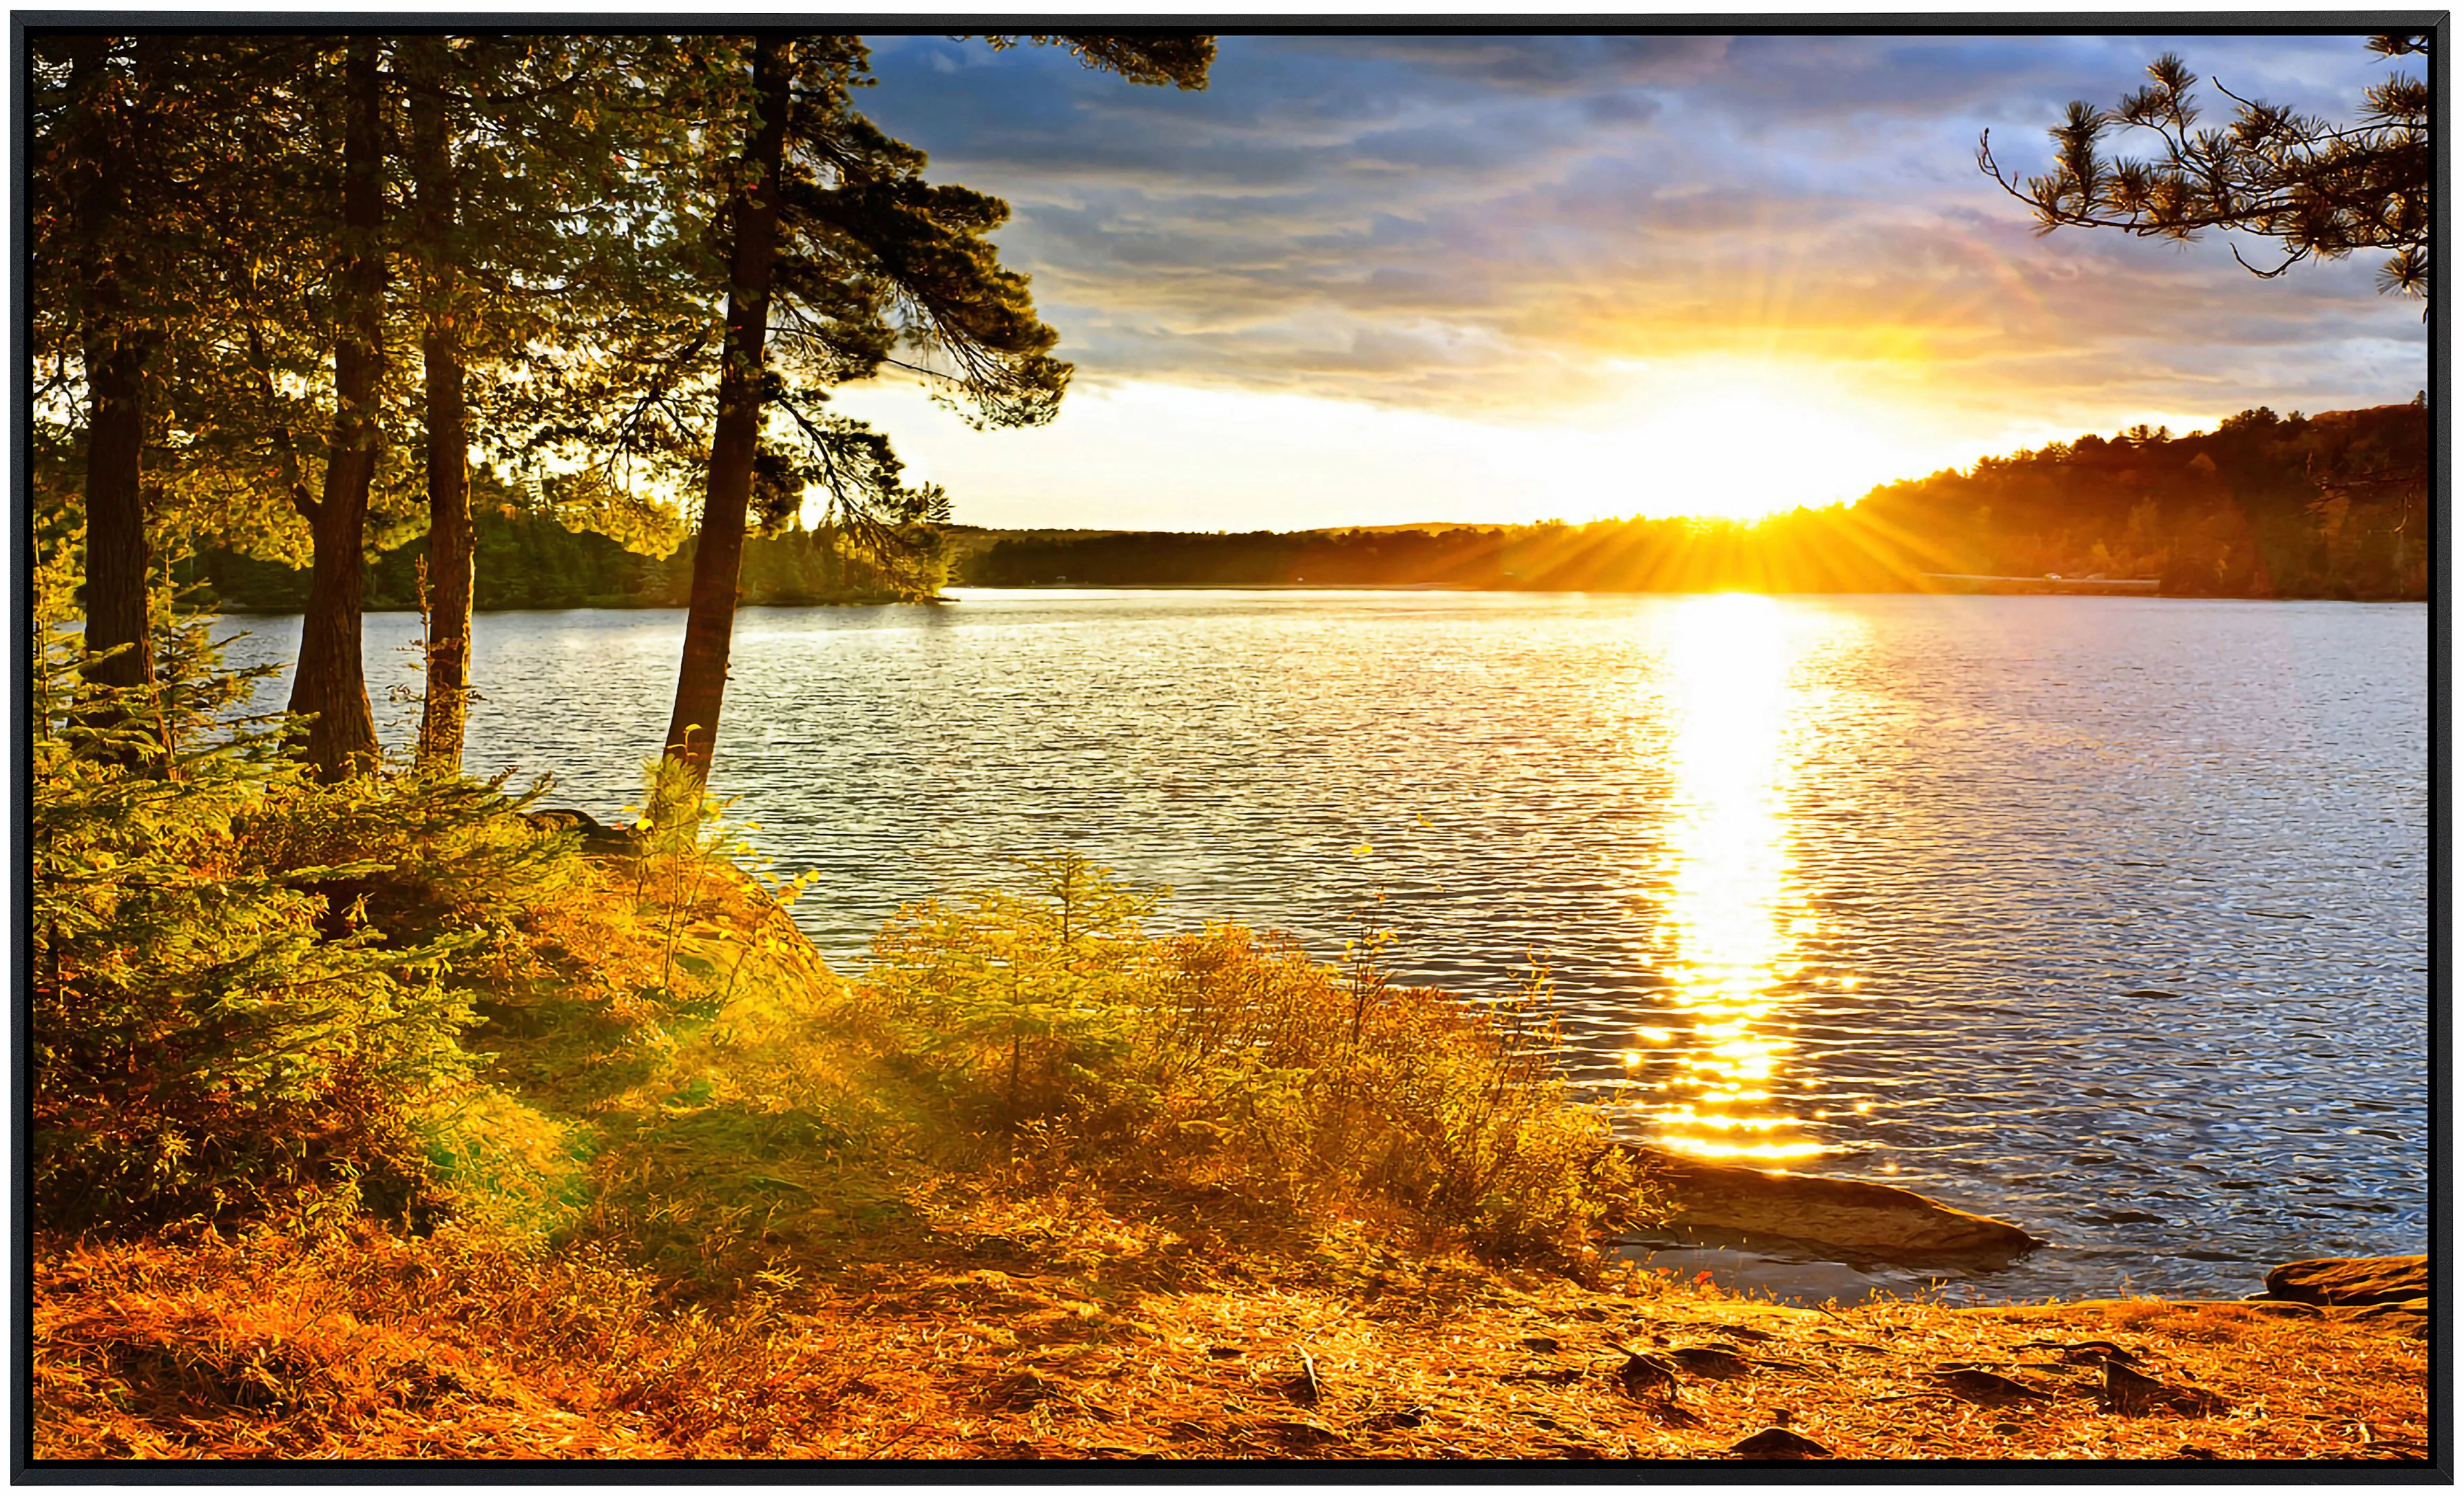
[2350,1280]
[1875,1221]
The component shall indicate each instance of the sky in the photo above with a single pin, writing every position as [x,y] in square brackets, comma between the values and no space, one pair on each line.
[1385,280]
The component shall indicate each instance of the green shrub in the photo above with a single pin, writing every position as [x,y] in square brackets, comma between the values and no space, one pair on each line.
[247,988]
[1227,1059]
[1027,1004]
[197,1041]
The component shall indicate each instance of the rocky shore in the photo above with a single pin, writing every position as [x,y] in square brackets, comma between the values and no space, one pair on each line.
[2389,1292]
[1796,1218]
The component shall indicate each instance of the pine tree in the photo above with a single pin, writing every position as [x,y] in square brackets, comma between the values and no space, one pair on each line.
[2318,189]
[329,684]
[428,64]
[535,165]
[97,167]
[839,255]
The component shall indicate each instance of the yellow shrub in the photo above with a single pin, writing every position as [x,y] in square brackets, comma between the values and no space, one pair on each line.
[1228,1057]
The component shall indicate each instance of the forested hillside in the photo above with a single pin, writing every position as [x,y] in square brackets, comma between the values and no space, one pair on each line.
[528,561]
[2334,505]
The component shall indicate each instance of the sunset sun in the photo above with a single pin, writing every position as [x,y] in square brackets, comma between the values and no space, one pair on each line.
[1742,441]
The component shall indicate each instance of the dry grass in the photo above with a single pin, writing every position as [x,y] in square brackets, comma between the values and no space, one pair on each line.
[995,1326]
[770,1251]
[1227,1059]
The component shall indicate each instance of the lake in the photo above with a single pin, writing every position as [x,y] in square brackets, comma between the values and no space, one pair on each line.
[2108,916]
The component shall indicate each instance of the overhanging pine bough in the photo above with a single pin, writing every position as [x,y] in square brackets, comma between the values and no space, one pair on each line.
[2318,190]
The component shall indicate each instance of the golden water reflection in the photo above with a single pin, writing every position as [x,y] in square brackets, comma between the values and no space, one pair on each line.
[1734,920]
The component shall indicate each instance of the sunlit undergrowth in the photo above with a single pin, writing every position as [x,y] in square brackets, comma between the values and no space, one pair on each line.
[217,1026]
[257,996]
[261,997]
[1228,1060]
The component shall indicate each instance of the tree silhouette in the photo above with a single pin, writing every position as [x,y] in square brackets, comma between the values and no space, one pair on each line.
[534,165]
[839,255]
[127,185]
[2318,189]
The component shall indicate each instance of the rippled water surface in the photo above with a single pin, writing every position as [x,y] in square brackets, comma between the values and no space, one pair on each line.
[2105,916]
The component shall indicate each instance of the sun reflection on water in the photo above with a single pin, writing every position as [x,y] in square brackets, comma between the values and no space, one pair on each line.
[1732,923]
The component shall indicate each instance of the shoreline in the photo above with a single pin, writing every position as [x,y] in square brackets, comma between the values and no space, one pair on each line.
[2020,587]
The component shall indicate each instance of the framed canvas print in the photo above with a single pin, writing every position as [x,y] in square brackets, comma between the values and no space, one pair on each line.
[1426,744]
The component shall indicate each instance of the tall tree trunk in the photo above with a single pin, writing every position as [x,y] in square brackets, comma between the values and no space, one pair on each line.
[718,557]
[330,682]
[445,711]
[118,558]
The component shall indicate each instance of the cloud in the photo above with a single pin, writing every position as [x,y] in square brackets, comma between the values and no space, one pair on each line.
[1486,224]
[1553,65]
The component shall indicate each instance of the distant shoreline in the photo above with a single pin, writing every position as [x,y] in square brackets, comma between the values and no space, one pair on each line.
[2051,583]
[2002,587]
[2085,586]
